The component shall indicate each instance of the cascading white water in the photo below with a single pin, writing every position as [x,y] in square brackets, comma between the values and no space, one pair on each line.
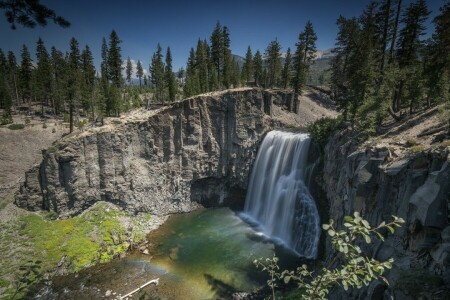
[277,198]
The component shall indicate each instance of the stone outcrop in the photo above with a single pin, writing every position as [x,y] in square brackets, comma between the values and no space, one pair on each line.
[415,187]
[197,151]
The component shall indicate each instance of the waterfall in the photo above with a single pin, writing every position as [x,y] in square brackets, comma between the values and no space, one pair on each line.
[278,199]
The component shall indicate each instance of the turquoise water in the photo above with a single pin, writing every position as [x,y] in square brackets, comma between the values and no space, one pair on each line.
[200,255]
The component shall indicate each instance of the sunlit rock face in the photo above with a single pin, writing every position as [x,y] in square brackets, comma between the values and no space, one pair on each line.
[197,151]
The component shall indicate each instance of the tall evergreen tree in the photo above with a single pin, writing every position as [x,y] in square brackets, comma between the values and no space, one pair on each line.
[227,58]
[157,74]
[273,55]
[344,50]
[303,58]
[129,70]
[139,71]
[247,67]
[201,64]
[88,82]
[170,77]
[26,69]
[73,80]
[5,94]
[43,76]
[12,74]
[104,66]
[258,68]
[409,45]
[286,73]
[191,85]
[217,51]
[115,60]
[59,71]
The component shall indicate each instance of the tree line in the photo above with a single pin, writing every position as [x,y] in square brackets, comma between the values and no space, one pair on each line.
[383,66]
[69,83]
[211,66]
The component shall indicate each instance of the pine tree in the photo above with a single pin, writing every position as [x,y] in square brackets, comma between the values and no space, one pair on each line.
[88,82]
[217,51]
[201,64]
[30,13]
[26,69]
[409,45]
[129,70]
[12,75]
[247,68]
[227,58]
[43,74]
[344,50]
[5,94]
[191,85]
[104,66]
[303,58]
[73,79]
[115,60]
[286,73]
[139,71]
[157,74]
[258,68]
[59,71]
[273,63]
[170,77]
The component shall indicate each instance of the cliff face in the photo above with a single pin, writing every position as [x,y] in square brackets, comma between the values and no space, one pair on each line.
[415,187]
[198,151]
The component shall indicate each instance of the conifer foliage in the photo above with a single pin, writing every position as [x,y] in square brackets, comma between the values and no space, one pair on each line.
[384,67]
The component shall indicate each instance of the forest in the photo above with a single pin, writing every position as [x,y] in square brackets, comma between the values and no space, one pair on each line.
[385,65]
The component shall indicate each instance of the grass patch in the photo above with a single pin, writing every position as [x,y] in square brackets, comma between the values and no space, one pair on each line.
[16,126]
[96,236]
[417,149]
[85,240]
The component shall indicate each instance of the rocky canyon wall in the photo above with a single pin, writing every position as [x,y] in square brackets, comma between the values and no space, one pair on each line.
[415,186]
[197,151]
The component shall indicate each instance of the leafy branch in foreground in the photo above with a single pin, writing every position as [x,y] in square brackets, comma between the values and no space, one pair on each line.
[348,267]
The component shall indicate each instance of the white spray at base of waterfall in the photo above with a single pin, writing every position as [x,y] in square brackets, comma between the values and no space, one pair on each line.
[277,197]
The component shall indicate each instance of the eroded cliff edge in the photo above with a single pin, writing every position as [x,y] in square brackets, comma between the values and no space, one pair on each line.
[197,151]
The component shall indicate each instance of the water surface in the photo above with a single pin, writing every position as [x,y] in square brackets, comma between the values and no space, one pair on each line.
[205,254]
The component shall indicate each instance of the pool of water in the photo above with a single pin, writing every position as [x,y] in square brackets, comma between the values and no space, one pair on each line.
[205,254]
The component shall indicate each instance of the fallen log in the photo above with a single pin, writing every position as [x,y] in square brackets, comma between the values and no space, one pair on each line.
[155,281]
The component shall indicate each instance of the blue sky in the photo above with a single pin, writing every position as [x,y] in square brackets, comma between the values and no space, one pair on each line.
[142,24]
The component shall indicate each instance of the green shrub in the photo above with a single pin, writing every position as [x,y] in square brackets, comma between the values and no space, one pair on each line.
[53,130]
[66,117]
[16,126]
[417,149]
[354,269]
[27,121]
[410,142]
[44,125]
[321,130]
[6,119]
